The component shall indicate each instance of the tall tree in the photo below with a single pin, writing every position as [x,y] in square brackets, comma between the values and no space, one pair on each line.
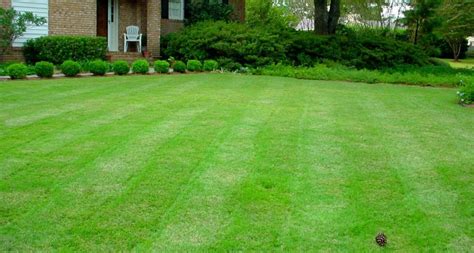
[422,18]
[326,19]
[458,23]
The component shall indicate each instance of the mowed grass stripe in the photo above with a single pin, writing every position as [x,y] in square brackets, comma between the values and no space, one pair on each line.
[198,217]
[417,162]
[161,174]
[76,173]
[82,125]
[57,93]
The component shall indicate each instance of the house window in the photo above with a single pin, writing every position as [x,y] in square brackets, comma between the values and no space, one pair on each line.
[37,7]
[176,9]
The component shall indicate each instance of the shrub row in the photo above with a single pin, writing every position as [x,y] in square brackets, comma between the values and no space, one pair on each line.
[58,49]
[237,45]
[72,68]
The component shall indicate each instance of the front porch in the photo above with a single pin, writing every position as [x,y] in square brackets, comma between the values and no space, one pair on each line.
[113,17]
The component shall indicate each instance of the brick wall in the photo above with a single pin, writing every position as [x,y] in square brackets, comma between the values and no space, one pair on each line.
[14,54]
[68,17]
[6,3]
[153,26]
[170,26]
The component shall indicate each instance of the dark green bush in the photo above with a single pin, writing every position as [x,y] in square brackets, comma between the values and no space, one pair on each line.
[237,42]
[466,93]
[210,65]
[179,67]
[140,67]
[44,69]
[17,71]
[194,65]
[98,67]
[70,68]
[236,45]
[205,10]
[162,66]
[120,68]
[57,49]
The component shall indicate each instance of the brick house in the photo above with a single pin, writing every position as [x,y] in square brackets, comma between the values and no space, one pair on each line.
[108,18]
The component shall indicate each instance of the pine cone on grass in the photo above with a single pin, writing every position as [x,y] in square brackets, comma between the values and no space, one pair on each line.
[381,239]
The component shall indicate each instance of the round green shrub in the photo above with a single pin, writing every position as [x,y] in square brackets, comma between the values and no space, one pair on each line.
[70,68]
[210,65]
[140,67]
[179,66]
[162,66]
[466,94]
[44,69]
[194,65]
[121,68]
[17,71]
[98,67]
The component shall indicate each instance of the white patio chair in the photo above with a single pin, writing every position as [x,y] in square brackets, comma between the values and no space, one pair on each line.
[132,35]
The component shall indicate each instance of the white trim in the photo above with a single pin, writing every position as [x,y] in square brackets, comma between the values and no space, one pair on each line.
[113,25]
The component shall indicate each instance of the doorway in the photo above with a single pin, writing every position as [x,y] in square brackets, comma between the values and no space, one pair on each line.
[108,22]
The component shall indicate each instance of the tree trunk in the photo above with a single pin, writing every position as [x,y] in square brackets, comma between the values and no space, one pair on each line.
[416,32]
[334,15]
[455,46]
[320,17]
[325,22]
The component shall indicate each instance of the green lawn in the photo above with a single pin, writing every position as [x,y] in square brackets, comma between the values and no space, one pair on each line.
[462,63]
[229,162]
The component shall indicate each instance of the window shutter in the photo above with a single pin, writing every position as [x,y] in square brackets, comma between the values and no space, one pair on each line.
[164,9]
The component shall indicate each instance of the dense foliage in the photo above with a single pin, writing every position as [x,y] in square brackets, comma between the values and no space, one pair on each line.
[98,67]
[162,66]
[179,67]
[240,45]
[194,65]
[140,67]
[203,10]
[13,24]
[44,69]
[70,68]
[57,49]
[466,94]
[210,65]
[17,71]
[120,68]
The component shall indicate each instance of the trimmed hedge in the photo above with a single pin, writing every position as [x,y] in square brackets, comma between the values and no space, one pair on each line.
[140,67]
[98,67]
[162,66]
[57,49]
[44,69]
[194,65]
[210,65]
[17,71]
[121,68]
[70,68]
[179,67]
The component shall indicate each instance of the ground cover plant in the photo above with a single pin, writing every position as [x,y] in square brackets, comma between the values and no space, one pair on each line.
[424,76]
[226,162]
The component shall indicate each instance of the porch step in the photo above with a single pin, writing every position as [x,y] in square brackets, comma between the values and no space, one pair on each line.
[128,57]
